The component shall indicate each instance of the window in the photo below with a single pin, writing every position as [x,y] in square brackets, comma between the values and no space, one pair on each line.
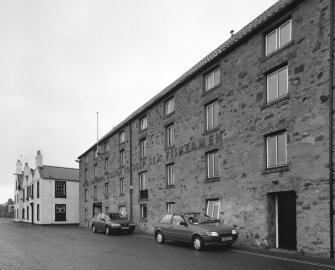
[96,152]
[169,135]
[95,192]
[60,189]
[106,209]
[169,207]
[166,219]
[143,208]
[38,189]
[86,214]
[177,219]
[213,164]
[27,212]
[106,190]
[122,158]
[86,159]
[143,186]
[213,208]
[60,212]
[278,37]
[143,123]
[143,148]
[277,84]
[32,191]
[23,191]
[121,186]
[123,210]
[107,165]
[85,194]
[212,115]
[38,212]
[23,210]
[212,79]
[122,137]
[276,149]
[107,147]
[95,171]
[170,174]
[169,106]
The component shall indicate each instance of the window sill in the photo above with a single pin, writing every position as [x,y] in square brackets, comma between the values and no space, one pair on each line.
[121,194]
[210,131]
[122,144]
[281,168]
[60,220]
[170,114]
[211,89]
[142,130]
[144,199]
[211,180]
[60,197]
[273,102]
[266,57]
[143,220]
[170,186]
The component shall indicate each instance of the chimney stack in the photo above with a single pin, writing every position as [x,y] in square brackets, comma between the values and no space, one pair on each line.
[26,169]
[232,33]
[39,159]
[18,167]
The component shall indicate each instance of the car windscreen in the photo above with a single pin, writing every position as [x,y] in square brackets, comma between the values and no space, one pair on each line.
[116,216]
[197,218]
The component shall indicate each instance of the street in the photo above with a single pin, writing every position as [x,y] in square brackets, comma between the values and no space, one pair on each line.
[26,246]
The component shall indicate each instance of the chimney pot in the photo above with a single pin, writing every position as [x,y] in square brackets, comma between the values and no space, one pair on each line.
[232,32]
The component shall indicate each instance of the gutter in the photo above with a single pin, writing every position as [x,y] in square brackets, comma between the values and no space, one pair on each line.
[331,111]
[131,173]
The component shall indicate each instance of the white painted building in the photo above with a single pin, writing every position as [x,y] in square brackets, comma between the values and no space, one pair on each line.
[46,194]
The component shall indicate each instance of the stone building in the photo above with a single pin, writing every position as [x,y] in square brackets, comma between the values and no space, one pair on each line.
[244,135]
[7,209]
[46,194]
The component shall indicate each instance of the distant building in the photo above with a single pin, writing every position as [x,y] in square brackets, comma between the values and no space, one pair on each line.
[46,194]
[7,209]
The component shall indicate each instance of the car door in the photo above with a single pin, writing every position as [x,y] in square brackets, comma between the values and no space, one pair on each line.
[179,229]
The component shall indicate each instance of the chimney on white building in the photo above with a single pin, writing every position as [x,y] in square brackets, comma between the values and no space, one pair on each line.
[26,169]
[39,159]
[18,167]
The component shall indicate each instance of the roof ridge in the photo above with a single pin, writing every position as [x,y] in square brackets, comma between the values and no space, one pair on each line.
[60,167]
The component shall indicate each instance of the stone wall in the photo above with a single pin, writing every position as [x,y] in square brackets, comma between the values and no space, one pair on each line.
[244,187]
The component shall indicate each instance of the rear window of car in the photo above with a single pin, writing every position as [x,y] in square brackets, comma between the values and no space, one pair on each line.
[166,219]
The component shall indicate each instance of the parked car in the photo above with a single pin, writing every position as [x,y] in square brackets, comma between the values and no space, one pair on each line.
[112,222]
[198,229]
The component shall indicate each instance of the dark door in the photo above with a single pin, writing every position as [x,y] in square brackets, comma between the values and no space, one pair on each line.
[97,208]
[60,212]
[32,213]
[287,227]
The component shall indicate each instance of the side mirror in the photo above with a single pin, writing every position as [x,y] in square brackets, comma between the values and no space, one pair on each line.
[183,223]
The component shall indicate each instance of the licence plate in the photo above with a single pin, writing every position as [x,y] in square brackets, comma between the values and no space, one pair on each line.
[125,228]
[226,238]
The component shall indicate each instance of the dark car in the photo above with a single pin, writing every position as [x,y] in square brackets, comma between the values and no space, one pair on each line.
[198,229]
[112,222]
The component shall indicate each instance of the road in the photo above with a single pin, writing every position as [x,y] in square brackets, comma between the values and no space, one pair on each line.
[26,246]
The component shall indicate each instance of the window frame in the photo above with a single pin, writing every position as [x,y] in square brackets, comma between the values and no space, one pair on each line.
[85,194]
[169,103]
[121,186]
[106,164]
[215,202]
[106,190]
[95,193]
[143,148]
[267,138]
[57,194]
[169,207]
[278,37]
[122,158]
[170,135]
[60,205]
[95,170]
[206,77]
[208,155]
[170,182]
[143,120]
[122,137]
[268,76]
[142,207]
[212,112]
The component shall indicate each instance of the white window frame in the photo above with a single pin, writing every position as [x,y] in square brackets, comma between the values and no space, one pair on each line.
[142,206]
[210,110]
[106,190]
[212,84]
[143,148]
[278,37]
[277,77]
[169,106]
[215,202]
[95,170]
[169,207]
[143,180]
[107,147]
[143,123]
[95,192]
[122,158]
[121,186]
[122,137]
[106,164]
[170,174]
[267,150]
[211,171]
[170,135]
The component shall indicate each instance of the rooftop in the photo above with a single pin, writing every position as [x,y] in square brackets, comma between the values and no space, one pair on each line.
[59,173]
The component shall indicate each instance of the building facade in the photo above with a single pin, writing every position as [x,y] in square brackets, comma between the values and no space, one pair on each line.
[245,135]
[7,209]
[46,194]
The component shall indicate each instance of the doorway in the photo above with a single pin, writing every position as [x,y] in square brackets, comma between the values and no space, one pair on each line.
[97,208]
[285,219]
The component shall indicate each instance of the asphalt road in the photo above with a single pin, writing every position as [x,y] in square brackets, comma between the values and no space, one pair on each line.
[26,246]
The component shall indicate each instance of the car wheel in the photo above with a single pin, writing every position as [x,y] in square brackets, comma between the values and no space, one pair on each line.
[160,238]
[94,229]
[197,243]
[107,230]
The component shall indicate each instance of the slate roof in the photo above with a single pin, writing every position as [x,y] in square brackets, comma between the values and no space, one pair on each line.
[59,173]
[229,44]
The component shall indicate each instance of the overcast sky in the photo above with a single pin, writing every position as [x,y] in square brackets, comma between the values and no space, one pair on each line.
[63,61]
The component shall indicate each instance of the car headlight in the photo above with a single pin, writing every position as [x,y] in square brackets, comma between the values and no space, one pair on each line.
[212,234]
[233,231]
[115,225]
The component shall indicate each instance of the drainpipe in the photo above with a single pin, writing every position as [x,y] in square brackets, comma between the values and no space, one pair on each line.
[131,173]
[331,82]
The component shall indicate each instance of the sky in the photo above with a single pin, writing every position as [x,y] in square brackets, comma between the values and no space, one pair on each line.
[62,61]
